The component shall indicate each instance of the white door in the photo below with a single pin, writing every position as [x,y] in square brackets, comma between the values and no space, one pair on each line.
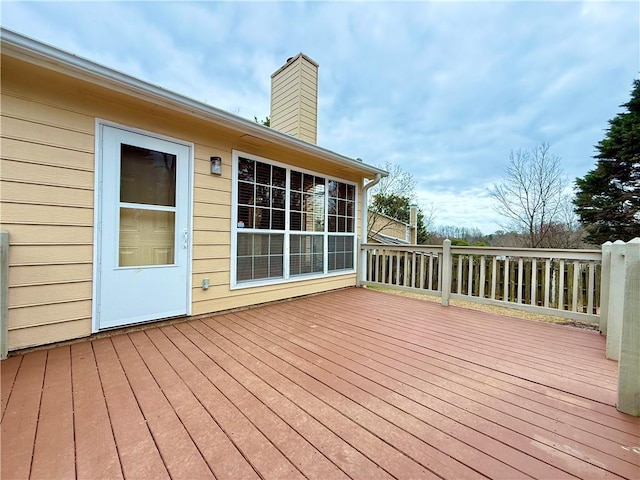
[143,232]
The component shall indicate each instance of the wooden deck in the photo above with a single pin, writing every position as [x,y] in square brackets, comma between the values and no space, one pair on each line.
[353,383]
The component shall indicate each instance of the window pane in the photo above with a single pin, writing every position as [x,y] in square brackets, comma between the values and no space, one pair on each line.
[246,170]
[306,254]
[277,219]
[276,267]
[318,223]
[279,177]
[333,223]
[259,256]
[245,193]
[296,201]
[340,252]
[351,192]
[263,218]
[146,237]
[332,188]
[147,176]
[332,206]
[260,267]
[307,184]
[245,245]
[295,222]
[277,198]
[277,244]
[296,181]
[244,268]
[263,196]
[245,217]
[263,173]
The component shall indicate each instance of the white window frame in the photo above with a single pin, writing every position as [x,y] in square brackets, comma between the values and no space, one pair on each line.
[287,278]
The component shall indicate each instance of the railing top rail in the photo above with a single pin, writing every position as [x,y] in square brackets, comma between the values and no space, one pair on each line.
[402,248]
[559,253]
[550,253]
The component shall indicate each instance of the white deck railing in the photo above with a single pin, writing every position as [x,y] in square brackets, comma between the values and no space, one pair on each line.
[564,283]
[591,285]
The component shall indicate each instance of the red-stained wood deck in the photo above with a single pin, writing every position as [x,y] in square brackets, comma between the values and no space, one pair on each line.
[352,383]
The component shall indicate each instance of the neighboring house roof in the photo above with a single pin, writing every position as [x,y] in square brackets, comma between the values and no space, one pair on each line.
[386,239]
[32,51]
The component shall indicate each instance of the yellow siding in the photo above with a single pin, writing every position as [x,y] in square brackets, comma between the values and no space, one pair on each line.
[387,226]
[47,193]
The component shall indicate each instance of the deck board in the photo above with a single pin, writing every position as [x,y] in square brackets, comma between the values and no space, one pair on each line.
[349,384]
[20,422]
[53,455]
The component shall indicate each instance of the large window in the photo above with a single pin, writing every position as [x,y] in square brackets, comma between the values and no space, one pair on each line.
[290,223]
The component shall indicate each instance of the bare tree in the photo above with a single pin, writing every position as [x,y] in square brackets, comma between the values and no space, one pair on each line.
[398,182]
[389,205]
[531,196]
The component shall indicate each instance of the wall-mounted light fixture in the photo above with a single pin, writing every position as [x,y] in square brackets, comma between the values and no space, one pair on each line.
[216,165]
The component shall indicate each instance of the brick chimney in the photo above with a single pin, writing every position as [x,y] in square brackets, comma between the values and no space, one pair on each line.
[294,98]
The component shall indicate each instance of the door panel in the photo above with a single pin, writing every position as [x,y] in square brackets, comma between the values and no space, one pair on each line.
[143,252]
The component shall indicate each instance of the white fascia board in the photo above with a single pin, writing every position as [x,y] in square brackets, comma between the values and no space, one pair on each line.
[38,53]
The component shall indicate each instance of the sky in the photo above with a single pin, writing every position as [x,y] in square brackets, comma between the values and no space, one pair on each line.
[446,90]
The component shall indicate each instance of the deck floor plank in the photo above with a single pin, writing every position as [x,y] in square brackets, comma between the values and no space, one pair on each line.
[422,419]
[492,359]
[54,450]
[10,368]
[139,454]
[343,455]
[500,426]
[579,406]
[20,422]
[302,454]
[96,451]
[456,385]
[178,450]
[202,375]
[492,356]
[419,455]
[352,383]
[224,458]
[202,427]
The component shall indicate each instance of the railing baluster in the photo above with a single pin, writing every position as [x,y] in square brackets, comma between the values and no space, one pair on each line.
[470,277]
[576,281]
[505,297]
[483,276]
[561,286]
[519,285]
[430,282]
[459,279]
[494,277]
[413,269]
[547,281]
[383,269]
[591,289]
[534,281]
[397,282]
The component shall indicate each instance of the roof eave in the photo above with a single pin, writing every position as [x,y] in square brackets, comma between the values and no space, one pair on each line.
[32,51]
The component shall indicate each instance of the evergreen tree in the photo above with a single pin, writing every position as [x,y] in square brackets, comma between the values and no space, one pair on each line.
[608,197]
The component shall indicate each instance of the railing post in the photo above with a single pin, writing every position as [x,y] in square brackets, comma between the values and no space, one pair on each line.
[361,266]
[447,261]
[629,362]
[605,278]
[4,290]
[616,300]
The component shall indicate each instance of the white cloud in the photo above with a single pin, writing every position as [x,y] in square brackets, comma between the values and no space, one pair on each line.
[446,89]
